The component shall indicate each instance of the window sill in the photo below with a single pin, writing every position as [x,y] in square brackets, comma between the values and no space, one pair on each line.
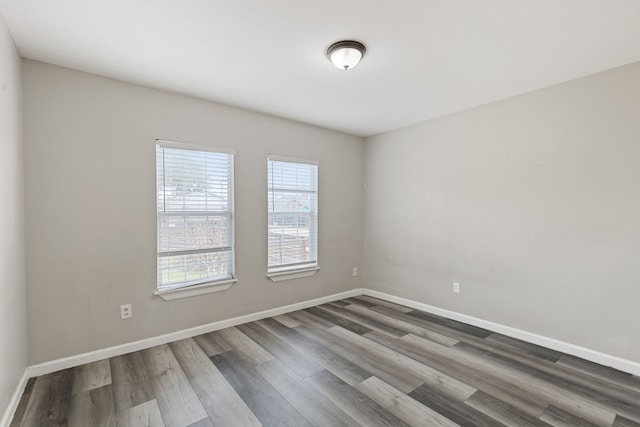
[292,274]
[191,291]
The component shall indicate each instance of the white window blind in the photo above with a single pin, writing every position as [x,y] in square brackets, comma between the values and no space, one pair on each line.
[195,216]
[292,214]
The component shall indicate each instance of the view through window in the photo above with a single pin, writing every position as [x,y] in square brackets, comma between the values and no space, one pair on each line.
[292,214]
[194,215]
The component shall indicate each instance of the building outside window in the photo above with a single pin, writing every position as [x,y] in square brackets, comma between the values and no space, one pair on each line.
[292,214]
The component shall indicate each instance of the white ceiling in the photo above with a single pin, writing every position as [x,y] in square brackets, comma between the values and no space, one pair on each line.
[425,58]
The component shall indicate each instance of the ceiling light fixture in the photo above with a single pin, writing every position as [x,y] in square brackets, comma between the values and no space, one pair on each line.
[346,54]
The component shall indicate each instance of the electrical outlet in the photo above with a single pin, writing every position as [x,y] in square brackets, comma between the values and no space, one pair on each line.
[456,287]
[125,311]
[355,271]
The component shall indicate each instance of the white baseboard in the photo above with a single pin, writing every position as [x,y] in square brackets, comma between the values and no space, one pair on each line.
[71,361]
[564,347]
[93,356]
[15,400]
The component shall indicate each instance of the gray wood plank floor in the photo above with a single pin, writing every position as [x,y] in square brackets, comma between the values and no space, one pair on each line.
[359,361]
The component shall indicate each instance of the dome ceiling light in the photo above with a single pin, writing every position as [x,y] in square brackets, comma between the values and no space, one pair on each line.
[346,54]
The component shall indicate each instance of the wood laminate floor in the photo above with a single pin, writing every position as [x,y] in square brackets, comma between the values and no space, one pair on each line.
[359,361]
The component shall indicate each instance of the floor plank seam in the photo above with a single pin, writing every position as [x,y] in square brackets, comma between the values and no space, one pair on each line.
[356,361]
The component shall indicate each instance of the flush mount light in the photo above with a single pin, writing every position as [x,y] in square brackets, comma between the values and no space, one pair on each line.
[346,54]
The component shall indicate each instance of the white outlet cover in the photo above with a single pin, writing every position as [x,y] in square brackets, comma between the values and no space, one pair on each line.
[125,311]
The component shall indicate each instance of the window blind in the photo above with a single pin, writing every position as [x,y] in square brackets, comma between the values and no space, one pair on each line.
[292,214]
[194,216]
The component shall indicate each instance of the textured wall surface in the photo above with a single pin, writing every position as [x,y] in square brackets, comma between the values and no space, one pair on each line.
[90,209]
[13,321]
[531,204]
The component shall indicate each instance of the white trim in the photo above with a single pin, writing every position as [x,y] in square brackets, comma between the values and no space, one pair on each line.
[71,361]
[619,363]
[191,291]
[171,294]
[93,356]
[291,159]
[279,276]
[15,400]
[164,143]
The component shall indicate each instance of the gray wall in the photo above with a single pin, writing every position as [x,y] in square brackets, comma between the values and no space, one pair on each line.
[532,204]
[90,209]
[13,329]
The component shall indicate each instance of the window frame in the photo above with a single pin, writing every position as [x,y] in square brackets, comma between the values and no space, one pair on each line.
[205,285]
[298,270]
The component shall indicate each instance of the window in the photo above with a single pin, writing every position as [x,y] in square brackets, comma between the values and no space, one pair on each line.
[292,215]
[195,215]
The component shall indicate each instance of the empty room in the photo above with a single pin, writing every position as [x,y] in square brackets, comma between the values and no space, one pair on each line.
[336,213]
